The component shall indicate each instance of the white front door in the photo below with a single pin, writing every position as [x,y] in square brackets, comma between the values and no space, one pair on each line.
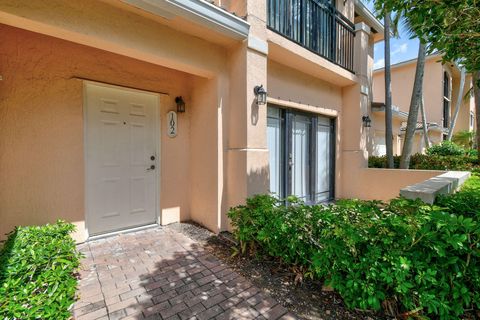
[121,158]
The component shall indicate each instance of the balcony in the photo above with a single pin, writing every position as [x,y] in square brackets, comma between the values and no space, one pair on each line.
[315,25]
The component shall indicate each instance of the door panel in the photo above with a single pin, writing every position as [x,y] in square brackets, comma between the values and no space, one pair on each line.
[301,133]
[275,128]
[324,160]
[120,139]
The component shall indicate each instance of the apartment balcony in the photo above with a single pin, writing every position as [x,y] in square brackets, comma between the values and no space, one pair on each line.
[315,25]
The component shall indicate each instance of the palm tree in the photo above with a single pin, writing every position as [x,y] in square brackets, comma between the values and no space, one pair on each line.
[388,94]
[415,102]
[424,123]
[476,92]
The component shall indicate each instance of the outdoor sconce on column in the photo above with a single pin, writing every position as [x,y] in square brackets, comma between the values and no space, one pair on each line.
[366,121]
[260,95]
[180,104]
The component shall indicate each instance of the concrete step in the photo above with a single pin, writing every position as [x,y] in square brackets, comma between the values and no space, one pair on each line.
[429,189]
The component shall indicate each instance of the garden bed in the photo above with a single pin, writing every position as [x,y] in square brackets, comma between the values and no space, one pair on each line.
[407,258]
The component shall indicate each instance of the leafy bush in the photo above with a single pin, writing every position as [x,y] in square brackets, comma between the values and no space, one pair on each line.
[466,202]
[37,272]
[446,148]
[406,256]
[431,162]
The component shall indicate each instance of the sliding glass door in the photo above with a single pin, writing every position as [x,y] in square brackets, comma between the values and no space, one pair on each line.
[300,156]
[302,152]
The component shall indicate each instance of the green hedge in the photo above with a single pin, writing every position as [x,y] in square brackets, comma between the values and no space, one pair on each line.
[446,148]
[37,272]
[408,256]
[431,162]
[444,156]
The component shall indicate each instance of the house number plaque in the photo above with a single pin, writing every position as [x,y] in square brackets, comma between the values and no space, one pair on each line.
[172,124]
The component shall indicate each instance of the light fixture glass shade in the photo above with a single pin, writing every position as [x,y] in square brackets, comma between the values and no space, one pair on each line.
[180,104]
[367,122]
[260,94]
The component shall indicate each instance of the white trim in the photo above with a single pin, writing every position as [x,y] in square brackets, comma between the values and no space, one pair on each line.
[114,233]
[407,62]
[198,11]
[257,44]
[323,111]
[370,19]
[362,26]
[158,137]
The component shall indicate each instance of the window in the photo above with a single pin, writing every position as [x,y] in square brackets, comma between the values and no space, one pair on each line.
[446,100]
[302,152]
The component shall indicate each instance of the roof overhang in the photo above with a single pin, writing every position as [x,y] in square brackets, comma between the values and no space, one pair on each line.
[411,61]
[369,18]
[198,11]
[396,112]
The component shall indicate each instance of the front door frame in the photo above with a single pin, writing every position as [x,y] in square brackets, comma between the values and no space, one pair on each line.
[157,127]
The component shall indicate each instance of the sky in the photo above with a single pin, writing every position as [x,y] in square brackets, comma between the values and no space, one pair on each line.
[401,49]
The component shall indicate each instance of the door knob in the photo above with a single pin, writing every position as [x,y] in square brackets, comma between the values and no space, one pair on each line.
[152,167]
[152,158]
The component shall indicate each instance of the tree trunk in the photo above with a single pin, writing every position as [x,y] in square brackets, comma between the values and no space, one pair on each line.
[476,91]
[388,95]
[458,103]
[414,105]
[424,123]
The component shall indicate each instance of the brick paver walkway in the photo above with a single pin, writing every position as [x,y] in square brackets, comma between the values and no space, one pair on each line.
[161,274]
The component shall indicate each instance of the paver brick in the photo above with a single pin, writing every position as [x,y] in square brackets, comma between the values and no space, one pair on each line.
[90,308]
[156,308]
[93,315]
[160,274]
[214,300]
[192,311]
[173,310]
[210,313]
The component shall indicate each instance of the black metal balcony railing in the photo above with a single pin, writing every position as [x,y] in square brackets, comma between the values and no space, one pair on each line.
[317,26]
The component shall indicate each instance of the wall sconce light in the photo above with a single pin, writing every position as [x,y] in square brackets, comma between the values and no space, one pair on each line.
[367,122]
[260,95]
[180,104]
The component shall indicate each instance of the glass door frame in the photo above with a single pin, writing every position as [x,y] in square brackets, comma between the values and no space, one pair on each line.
[287,115]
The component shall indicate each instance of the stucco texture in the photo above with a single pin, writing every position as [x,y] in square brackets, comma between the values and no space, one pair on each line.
[42,130]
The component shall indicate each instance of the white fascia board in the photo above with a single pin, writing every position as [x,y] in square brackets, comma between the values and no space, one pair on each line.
[370,19]
[198,11]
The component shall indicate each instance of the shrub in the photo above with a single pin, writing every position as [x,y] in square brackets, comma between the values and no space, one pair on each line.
[37,272]
[406,254]
[431,162]
[465,202]
[446,148]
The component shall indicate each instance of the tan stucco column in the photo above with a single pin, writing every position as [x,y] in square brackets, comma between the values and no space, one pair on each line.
[247,171]
[356,99]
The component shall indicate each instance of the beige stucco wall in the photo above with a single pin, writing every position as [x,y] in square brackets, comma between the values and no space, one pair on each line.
[377,131]
[41,129]
[384,184]
[288,84]
[220,155]
[402,85]
[467,106]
